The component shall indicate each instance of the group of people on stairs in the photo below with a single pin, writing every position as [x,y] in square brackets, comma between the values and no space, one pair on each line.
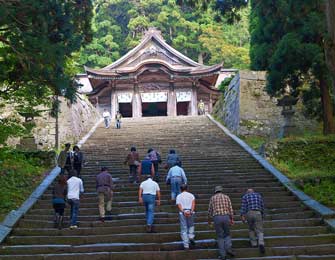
[146,173]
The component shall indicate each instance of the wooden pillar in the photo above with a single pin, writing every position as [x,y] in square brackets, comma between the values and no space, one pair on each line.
[194,99]
[114,104]
[172,101]
[210,105]
[137,103]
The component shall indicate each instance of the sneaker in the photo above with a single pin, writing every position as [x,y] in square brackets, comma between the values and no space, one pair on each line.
[192,242]
[73,227]
[262,249]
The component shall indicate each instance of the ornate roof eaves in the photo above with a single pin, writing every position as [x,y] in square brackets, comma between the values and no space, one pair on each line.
[152,33]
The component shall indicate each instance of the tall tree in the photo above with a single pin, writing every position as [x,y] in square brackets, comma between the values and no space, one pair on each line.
[288,39]
[37,40]
[330,50]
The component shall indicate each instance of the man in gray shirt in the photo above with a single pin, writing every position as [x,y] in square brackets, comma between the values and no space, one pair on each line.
[104,185]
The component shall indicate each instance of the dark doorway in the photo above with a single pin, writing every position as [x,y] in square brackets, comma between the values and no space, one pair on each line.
[126,109]
[182,108]
[154,109]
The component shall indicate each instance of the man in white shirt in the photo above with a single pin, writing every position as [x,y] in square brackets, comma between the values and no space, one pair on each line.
[186,206]
[74,188]
[148,193]
[107,118]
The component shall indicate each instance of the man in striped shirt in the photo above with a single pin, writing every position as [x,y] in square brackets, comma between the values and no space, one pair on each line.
[252,211]
[221,210]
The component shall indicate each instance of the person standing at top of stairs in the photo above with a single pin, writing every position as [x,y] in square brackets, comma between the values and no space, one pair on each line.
[104,185]
[252,211]
[64,159]
[118,117]
[107,118]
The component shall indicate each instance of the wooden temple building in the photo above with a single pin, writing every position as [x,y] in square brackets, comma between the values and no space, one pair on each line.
[153,79]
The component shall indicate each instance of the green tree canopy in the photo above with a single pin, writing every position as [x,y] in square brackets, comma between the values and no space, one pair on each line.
[288,39]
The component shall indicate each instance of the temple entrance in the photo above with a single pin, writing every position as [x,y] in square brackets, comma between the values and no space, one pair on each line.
[154,109]
[126,109]
[182,108]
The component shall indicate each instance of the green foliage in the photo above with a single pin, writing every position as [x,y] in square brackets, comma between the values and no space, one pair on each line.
[20,172]
[308,160]
[225,83]
[189,30]
[288,40]
[37,41]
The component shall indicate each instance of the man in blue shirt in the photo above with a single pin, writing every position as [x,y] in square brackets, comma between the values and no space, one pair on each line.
[252,211]
[176,177]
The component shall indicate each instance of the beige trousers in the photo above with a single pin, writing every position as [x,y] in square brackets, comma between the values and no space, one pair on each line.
[101,196]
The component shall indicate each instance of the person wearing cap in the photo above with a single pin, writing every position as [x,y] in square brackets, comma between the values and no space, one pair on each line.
[252,211]
[148,194]
[221,210]
[186,205]
[104,185]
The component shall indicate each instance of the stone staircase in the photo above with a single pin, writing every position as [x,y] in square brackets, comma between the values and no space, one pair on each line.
[210,158]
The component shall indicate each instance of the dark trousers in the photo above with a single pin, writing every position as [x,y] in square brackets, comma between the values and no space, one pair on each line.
[133,173]
[59,208]
[77,167]
[222,229]
[155,163]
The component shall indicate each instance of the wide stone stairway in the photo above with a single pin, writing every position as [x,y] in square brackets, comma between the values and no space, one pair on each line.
[209,158]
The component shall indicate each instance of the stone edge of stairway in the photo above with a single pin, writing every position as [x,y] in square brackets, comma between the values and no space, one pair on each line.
[326,213]
[14,216]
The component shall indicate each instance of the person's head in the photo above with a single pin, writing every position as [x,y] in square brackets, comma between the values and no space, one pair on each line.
[62,180]
[250,190]
[150,150]
[183,187]
[148,176]
[104,169]
[73,173]
[133,149]
[172,151]
[218,189]
[67,146]
[76,148]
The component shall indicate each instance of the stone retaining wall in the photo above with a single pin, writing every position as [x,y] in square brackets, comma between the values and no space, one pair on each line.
[246,108]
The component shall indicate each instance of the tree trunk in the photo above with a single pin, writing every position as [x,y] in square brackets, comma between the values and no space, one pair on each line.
[201,58]
[330,46]
[57,124]
[327,107]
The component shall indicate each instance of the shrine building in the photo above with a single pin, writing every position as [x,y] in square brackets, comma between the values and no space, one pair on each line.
[153,79]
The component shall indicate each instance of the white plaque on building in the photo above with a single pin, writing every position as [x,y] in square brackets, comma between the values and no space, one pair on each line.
[124,97]
[154,97]
[184,96]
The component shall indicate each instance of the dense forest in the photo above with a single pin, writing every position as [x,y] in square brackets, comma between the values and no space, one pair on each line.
[118,26]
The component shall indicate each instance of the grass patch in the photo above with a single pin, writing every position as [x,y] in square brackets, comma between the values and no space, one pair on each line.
[309,160]
[20,173]
[254,142]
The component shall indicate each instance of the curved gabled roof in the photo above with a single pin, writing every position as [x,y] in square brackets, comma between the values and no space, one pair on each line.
[152,35]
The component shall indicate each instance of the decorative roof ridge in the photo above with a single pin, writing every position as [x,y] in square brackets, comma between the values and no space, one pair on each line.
[150,34]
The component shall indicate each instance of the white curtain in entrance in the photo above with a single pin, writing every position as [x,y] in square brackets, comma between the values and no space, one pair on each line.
[183,96]
[124,97]
[154,97]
